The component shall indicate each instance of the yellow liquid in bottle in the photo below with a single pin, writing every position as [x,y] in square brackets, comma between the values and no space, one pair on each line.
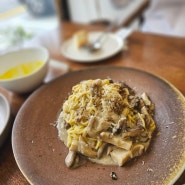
[21,70]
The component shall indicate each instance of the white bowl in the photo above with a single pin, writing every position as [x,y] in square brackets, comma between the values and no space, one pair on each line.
[4,119]
[26,83]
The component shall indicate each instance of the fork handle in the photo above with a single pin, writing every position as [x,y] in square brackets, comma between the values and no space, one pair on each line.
[112,25]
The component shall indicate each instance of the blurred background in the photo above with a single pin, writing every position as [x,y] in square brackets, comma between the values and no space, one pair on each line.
[22,20]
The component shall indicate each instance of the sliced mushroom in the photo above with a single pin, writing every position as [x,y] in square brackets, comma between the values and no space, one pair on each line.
[133,101]
[101,150]
[116,140]
[141,120]
[137,150]
[144,110]
[146,99]
[121,123]
[70,158]
[110,149]
[120,156]
[84,149]
[133,132]
[74,145]
[148,119]
[93,123]
[95,126]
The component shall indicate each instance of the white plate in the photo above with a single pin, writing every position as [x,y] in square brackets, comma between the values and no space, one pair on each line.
[112,44]
[4,118]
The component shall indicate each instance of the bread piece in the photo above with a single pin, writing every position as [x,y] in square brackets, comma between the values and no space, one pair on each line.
[80,38]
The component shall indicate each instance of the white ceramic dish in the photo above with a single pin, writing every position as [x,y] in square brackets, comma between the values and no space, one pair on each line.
[4,118]
[26,83]
[111,46]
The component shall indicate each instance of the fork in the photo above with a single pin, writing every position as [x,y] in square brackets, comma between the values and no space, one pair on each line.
[97,44]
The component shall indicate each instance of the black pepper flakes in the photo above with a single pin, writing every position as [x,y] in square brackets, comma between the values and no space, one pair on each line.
[113,176]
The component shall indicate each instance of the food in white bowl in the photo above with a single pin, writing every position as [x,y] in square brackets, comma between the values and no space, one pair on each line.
[4,118]
[23,70]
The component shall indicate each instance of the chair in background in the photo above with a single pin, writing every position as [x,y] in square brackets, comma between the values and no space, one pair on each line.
[96,12]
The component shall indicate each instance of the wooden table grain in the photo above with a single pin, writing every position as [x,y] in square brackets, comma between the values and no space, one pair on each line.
[160,55]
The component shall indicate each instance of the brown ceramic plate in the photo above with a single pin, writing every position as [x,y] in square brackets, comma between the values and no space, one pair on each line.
[40,154]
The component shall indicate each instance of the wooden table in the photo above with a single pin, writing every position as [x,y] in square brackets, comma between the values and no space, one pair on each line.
[163,56]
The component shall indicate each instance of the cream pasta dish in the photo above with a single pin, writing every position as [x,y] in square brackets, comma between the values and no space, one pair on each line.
[105,122]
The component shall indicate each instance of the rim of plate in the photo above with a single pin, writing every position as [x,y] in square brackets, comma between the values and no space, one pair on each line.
[68,42]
